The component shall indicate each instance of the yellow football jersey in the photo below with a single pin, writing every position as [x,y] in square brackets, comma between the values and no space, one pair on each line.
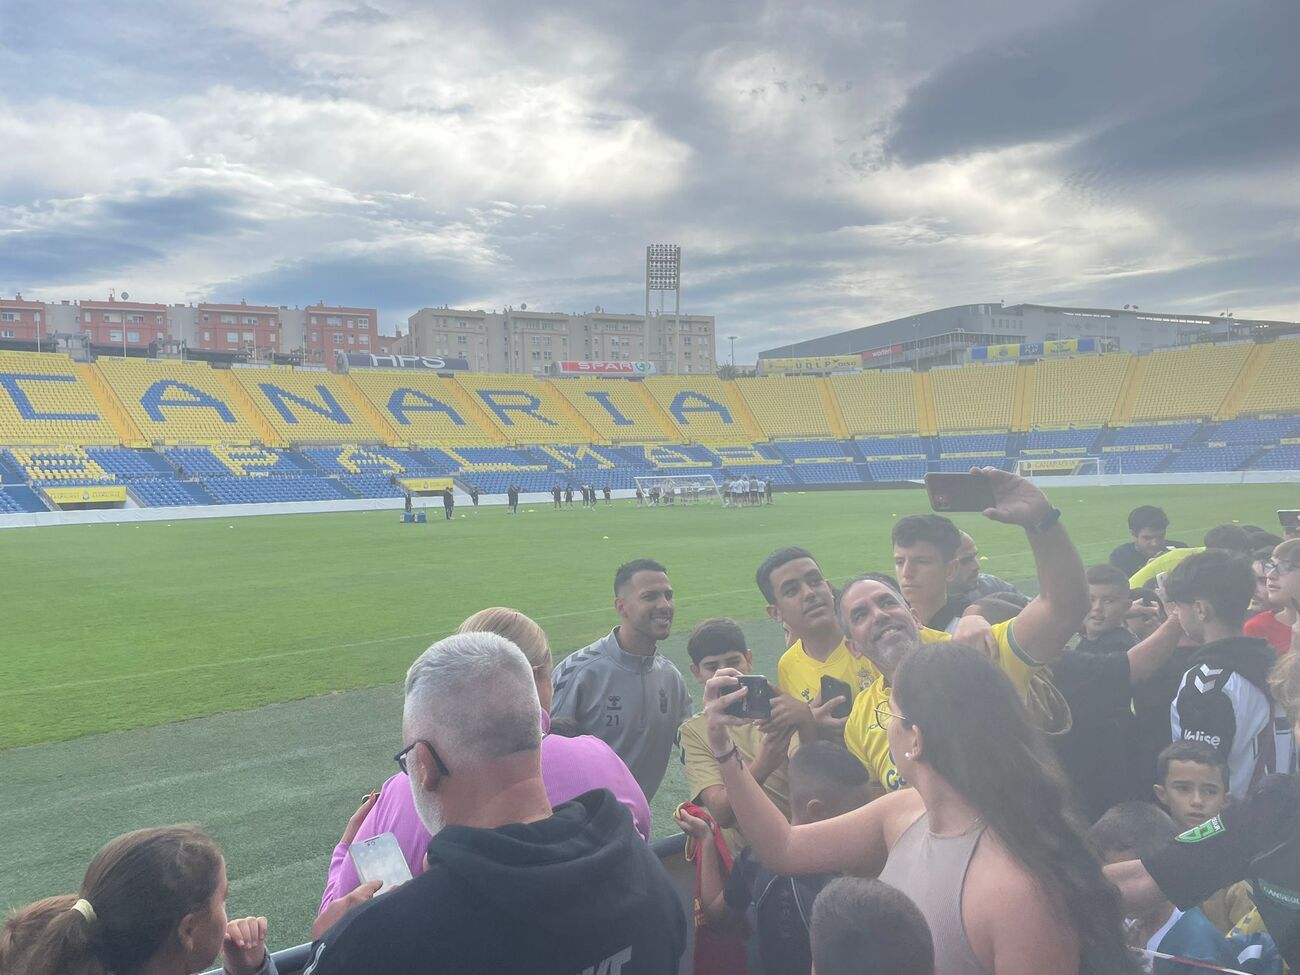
[865,737]
[801,676]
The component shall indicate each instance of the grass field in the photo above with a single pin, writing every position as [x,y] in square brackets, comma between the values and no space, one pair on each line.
[243,673]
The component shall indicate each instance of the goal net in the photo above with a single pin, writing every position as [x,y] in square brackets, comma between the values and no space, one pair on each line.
[679,489]
[1058,466]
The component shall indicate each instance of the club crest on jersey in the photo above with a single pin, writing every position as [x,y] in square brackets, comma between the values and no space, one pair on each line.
[1197,834]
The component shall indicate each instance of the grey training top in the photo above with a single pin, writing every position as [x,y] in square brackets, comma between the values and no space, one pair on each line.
[633,702]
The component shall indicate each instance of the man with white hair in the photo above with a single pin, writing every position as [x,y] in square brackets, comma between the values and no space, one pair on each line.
[512,884]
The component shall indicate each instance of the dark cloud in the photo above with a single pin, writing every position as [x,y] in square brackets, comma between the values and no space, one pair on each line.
[51,246]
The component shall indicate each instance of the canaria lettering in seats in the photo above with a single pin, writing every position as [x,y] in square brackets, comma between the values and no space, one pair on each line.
[692,402]
[527,404]
[328,407]
[405,400]
[155,398]
[601,396]
[12,383]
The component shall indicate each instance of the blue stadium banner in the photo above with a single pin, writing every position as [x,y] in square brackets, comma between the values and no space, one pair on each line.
[371,360]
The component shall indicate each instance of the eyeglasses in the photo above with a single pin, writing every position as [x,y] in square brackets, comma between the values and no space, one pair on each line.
[400,757]
[883,714]
[1281,566]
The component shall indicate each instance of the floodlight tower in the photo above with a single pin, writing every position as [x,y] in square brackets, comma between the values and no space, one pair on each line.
[663,272]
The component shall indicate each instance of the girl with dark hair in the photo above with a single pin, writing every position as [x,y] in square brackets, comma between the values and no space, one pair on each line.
[153,902]
[981,843]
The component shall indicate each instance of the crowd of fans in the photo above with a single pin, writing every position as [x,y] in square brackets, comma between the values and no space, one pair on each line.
[1099,779]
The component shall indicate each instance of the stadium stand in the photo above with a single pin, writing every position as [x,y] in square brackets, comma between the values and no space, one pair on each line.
[793,450]
[234,460]
[1275,389]
[424,408]
[19,499]
[1284,457]
[787,406]
[1253,430]
[617,409]
[173,402]
[64,465]
[969,444]
[825,472]
[700,407]
[876,402]
[273,490]
[1168,434]
[131,465]
[355,459]
[974,397]
[160,493]
[1201,457]
[1061,441]
[896,470]
[893,447]
[1078,391]
[526,410]
[306,406]
[372,485]
[45,401]
[1188,383]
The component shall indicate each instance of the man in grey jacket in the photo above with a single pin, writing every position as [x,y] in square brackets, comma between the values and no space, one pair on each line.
[619,688]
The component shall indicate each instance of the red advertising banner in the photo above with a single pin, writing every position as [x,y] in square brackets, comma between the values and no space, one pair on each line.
[882,352]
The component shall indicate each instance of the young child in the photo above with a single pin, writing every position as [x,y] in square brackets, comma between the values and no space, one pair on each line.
[825,781]
[1133,829]
[1108,607]
[1192,785]
[866,927]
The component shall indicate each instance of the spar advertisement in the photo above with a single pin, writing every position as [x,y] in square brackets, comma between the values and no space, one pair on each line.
[572,367]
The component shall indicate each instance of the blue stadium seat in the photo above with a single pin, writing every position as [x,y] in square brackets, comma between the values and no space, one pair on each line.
[1283,458]
[892,446]
[1174,434]
[826,473]
[372,485]
[271,490]
[1135,461]
[897,470]
[131,465]
[1258,431]
[1203,458]
[792,450]
[158,493]
[975,443]
[1073,441]
[19,498]
[351,459]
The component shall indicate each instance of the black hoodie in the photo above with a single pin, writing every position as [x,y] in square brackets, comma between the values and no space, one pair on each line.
[579,893]
[1223,700]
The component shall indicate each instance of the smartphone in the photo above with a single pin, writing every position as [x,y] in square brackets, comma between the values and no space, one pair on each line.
[831,689]
[1289,519]
[380,858]
[959,492]
[757,703]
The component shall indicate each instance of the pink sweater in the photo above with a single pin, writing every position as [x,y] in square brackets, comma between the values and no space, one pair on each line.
[570,767]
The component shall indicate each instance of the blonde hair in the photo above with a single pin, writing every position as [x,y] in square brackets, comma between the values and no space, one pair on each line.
[515,627]
[1285,683]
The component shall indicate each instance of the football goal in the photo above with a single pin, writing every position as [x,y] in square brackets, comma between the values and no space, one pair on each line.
[1058,466]
[679,489]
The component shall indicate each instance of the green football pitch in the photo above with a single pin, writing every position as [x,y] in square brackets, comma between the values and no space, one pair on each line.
[245,673]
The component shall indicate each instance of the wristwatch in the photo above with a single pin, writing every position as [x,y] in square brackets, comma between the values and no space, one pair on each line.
[1049,521]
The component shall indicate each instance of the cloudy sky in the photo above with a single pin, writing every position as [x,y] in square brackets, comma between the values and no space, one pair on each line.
[822,165]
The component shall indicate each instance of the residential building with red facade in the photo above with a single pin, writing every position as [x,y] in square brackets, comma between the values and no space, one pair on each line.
[331,328]
[114,323]
[22,321]
[254,329]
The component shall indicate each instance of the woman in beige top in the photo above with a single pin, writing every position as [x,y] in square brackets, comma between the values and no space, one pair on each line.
[981,842]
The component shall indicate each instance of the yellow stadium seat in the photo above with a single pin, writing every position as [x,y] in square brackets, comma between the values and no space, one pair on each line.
[174,402]
[44,401]
[1078,391]
[525,409]
[421,406]
[974,397]
[700,407]
[613,407]
[786,406]
[1275,389]
[877,402]
[306,405]
[1184,384]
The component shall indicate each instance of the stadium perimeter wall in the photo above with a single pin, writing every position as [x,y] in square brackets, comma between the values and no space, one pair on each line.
[433,506]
